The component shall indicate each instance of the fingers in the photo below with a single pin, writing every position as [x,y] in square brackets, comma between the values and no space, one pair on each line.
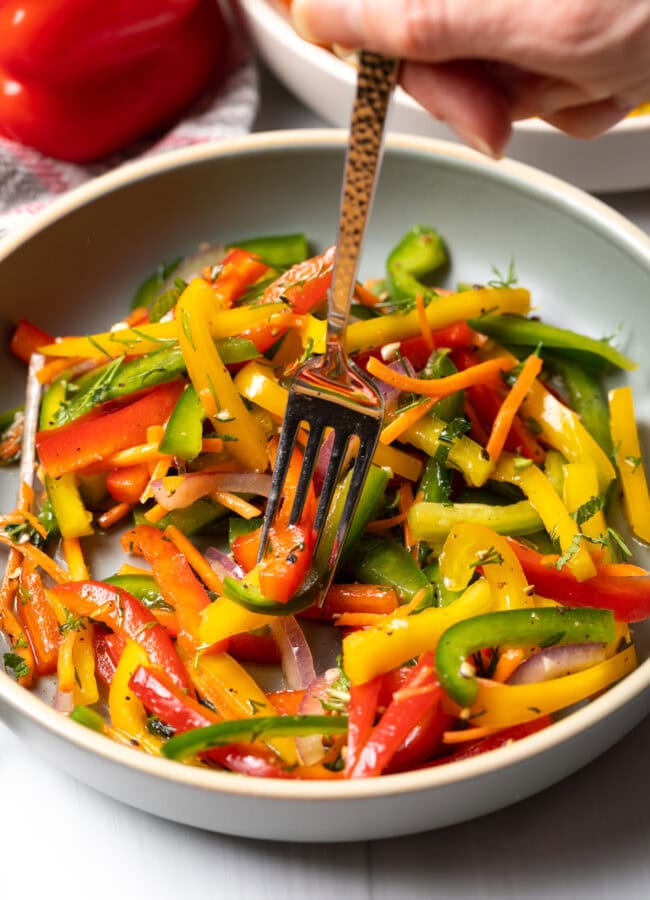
[589,120]
[465,96]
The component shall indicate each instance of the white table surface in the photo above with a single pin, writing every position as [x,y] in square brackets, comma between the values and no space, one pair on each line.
[587,837]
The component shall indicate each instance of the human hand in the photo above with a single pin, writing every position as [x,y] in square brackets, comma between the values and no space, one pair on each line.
[581,65]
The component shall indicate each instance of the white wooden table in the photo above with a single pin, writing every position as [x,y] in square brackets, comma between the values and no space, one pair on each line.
[586,838]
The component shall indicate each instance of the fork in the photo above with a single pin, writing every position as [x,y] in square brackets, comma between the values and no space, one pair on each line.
[330,392]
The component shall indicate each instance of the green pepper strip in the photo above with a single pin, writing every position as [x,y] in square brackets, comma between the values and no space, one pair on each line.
[152,285]
[190,520]
[443,595]
[436,482]
[279,251]
[587,399]
[199,739]
[183,435]
[433,521]
[513,329]
[544,627]
[84,715]
[144,587]
[380,560]
[419,254]
[440,365]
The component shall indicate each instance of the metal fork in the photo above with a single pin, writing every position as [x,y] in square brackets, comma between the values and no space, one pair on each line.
[330,391]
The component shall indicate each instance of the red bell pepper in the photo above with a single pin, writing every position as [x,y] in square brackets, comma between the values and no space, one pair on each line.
[628,598]
[494,741]
[108,648]
[127,616]
[254,648]
[26,339]
[96,436]
[362,710]
[423,741]
[161,697]
[79,79]
[305,285]
[126,484]
[419,695]
[285,567]
[238,271]
[172,572]
[417,350]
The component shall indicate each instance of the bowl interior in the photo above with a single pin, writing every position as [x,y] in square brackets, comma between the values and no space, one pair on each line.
[76,269]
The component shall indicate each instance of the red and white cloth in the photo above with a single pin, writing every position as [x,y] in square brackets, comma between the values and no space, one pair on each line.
[29,180]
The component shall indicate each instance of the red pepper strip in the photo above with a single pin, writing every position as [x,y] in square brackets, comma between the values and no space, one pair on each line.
[286,703]
[104,431]
[285,567]
[105,663]
[26,339]
[487,400]
[163,698]
[39,621]
[127,616]
[255,648]
[418,349]
[127,484]
[357,598]
[494,741]
[627,597]
[362,710]
[420,694]
[423,742]
[238,271]
[305,285]
[173,574]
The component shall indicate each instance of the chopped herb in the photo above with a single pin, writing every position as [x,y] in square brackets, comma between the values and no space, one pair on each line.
[633,462]
[16,665]
[571,551]
[256,705]
[588,509]
[72,622]
[187,329]
[501,280]
[520,462]
[20,643]
[533,425]
[488,557]
[454,430]
[158,728]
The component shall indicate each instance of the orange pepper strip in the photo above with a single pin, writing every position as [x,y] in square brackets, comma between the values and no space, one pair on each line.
[468,734]
[359,619]
[506,414]
[198,562]
[621,570]
[365,296]
[404,420]
[440,387]
[425,328]
[156,513]
[51,369]
[361,598]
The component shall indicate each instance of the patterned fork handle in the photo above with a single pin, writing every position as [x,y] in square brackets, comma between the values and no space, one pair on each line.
[375,81]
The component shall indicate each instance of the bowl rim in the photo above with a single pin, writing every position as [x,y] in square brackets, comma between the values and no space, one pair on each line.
[525,178]
[272,19]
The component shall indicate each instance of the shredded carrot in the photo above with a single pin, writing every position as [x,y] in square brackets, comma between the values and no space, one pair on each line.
[621,570]
[51,369]
[404,503]
[10,581]
[212,445]
[159,470]
[365,296]
[198,562]
[425,328]
[379,525]
[75,559]
[468,734]
[506,414]
[156,513]
[404,420]
[137,316]
[18,518]
[359,619]
[237,505]
[440,387]
[510,658]
[114,514]
[19,644]
[25,496]
[38,558]
[477,432]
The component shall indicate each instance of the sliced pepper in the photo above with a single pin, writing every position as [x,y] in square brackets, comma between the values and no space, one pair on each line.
[379,560]
[184,431]
[434,521]
[625,436]
[419,254]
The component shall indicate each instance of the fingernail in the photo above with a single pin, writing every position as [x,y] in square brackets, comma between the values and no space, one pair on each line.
[299,15]
[476,142]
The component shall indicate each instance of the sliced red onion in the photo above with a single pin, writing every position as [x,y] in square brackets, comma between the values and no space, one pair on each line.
[310,748]
[555,662]
[206,256]
[199,484]
[223,564]
[390,393]
[322,463]
[64,701]
[296,659]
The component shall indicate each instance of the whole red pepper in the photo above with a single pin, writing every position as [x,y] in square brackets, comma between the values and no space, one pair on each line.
[80,79]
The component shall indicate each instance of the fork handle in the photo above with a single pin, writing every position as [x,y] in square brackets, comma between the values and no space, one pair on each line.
[375,81]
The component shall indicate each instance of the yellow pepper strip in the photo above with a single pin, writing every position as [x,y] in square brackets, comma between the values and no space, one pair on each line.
[373,651]
[581,486]
[141,453]
[155,514]
[74,558]
[72,517]
[469,546]
[257,383]
[628,459]
[85,689]
[212,382]
[149,337]
[553,513]
[223,618]
[127,713]
[65,664]
[559,426]
[465,454]
[500,705]
[441,312]
[236,695]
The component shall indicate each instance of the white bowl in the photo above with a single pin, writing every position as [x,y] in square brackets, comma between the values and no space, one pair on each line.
[616,161]
[72,270]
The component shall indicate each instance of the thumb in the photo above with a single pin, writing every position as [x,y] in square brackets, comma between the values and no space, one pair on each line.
[433,31]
